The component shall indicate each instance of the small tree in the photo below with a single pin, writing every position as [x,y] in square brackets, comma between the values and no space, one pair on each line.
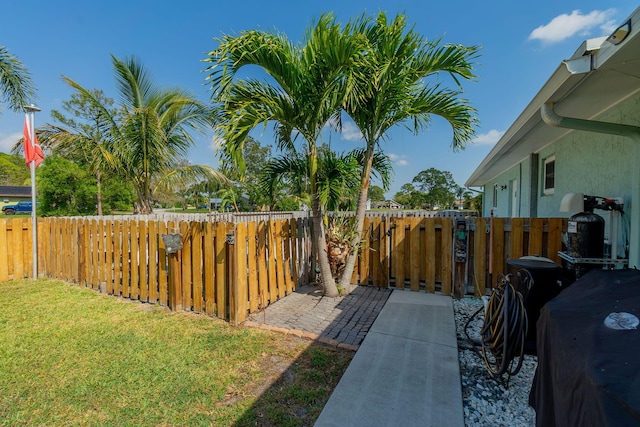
[65,188]
[84,137]
[438,186]
[376,194]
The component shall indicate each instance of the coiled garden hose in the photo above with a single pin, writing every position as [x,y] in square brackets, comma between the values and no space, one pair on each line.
[504,330]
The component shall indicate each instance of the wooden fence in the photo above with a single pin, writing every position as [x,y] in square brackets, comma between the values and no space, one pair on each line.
[228,269]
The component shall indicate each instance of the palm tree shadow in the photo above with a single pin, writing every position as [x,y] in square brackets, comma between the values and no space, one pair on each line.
[295,391]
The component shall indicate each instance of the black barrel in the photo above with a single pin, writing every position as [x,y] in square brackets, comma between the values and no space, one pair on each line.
[586,235]
[538,280]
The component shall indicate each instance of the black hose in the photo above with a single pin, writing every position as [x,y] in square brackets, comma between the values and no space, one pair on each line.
[504,330]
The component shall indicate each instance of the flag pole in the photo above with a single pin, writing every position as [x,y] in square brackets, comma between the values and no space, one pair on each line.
[30,111]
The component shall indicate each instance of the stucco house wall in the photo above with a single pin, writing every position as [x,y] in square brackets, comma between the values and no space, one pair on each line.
[585,162]
[579,134]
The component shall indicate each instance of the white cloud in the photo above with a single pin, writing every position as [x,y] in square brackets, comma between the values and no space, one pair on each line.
[8,141]
[488,138]
[350,132]
[398,160]
[564,26]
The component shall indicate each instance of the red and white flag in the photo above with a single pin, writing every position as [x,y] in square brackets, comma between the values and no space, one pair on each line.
[31,151]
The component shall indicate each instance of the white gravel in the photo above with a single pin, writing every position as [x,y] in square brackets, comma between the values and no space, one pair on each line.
[489,401]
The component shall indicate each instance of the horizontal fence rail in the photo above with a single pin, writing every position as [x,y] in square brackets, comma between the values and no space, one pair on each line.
[230,268]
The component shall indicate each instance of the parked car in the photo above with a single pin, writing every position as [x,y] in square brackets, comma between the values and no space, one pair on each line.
[22,206]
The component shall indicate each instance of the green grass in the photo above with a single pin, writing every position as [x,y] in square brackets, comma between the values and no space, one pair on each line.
[70,356]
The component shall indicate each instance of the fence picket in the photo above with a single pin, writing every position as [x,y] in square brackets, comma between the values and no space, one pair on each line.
[143,261]
[517,238]
[480,256]
[208,256]
[430,254]
[252,266]
[196,263]
[152,260]
[447,256]
[187,244]
[555,238]
[4,256]
[262,260]
[221,272]
[535,237]
[279,259]
[414,254]
[286,237]
[242,291]
[163,269]
[398,251]
[271,262]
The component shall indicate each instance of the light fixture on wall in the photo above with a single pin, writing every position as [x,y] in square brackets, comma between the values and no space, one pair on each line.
[503,187]
[620,33]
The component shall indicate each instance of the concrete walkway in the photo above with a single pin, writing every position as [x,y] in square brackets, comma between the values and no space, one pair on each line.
[405,372]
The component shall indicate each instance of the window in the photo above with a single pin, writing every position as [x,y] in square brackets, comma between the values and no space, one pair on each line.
[549,179]
[495,195]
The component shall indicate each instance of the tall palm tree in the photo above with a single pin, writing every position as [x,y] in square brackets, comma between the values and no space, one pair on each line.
[151,132]
[397,90]
[16,88]
[307,85]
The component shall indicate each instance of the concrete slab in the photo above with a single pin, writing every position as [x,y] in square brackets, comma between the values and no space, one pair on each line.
[406,371]
[419,316]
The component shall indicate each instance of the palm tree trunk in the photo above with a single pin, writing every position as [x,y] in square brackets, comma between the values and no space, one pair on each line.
[319,240]
[320,243]
[143,207]
[361,209]
[99,192]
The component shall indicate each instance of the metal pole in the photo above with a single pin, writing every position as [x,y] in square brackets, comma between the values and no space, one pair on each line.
[30,115]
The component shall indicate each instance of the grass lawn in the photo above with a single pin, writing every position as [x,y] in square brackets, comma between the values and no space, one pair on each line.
[71,356]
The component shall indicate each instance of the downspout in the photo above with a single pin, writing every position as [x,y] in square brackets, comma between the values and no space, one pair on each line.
[550,117]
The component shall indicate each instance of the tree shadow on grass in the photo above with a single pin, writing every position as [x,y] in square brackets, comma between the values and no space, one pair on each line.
[295,391]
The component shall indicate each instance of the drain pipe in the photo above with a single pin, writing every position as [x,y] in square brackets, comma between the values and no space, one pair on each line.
[550,117]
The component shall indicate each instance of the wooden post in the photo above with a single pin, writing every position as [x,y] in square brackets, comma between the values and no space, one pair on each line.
[173,244]
[175,281]
[231,275]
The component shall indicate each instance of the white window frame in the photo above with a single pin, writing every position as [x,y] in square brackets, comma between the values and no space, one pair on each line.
[548,190]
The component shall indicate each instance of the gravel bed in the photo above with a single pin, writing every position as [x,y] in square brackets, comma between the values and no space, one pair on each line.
[489,401]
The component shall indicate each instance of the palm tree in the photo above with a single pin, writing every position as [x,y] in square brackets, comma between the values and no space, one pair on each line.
[16,88]
[338,176]
[85,137]
[396,90]
[151,132]
[306,88]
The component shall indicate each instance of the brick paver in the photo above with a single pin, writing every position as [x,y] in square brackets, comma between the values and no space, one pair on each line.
[341,321]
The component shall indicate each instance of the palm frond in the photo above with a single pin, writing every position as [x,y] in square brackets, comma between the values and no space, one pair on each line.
[16,86]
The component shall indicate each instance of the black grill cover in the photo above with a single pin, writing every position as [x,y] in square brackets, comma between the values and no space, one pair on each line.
[588,374]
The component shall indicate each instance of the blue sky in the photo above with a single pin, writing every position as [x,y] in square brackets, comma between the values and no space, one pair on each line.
[522,44]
